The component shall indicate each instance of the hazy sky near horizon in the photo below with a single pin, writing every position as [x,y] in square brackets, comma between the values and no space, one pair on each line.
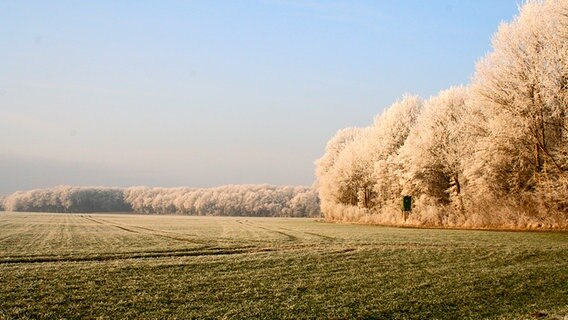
[206,93]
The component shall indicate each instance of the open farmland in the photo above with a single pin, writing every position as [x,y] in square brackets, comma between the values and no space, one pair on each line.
[131,266]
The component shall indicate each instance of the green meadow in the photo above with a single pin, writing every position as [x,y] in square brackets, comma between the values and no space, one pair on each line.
[106,266]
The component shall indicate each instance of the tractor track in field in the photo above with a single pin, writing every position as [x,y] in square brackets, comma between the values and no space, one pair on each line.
[289,237]
[287,232]
[199,252]
[144,230]
[7,236]
[321,236]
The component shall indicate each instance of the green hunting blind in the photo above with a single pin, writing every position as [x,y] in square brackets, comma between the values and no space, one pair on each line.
[407,203]
[406,206]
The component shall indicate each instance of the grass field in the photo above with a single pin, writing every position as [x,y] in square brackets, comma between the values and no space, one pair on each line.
[130,266]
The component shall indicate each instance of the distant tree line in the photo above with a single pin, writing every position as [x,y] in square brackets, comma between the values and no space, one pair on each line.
[234,200]
[494,153]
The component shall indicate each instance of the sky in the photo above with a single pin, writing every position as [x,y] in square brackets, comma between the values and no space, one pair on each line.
[208,93]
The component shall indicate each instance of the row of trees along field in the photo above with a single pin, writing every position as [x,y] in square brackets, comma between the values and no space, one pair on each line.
[234,200]
[494,153]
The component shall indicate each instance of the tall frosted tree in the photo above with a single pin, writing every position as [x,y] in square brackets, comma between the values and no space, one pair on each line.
[355,172]
[432,159]
[521,92]
[332,179]
[389,134]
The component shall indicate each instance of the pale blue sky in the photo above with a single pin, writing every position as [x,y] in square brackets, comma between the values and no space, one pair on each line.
[204,93]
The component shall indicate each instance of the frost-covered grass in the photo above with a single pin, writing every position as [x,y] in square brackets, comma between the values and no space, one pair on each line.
[126,266]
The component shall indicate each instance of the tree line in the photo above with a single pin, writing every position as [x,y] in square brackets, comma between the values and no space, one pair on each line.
[233,200]
[493,153]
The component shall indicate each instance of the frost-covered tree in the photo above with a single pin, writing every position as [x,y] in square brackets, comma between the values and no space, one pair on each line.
[350,175]
[304,204]
[332,182]
[433,155]
[390,132]
[521,92]
[234,200]
[68,199]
